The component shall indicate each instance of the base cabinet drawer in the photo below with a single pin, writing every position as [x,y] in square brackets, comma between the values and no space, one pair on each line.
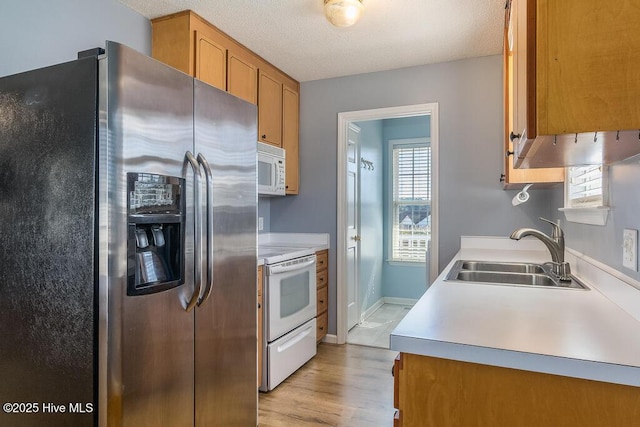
[321,326]
[322,299]
[322,260]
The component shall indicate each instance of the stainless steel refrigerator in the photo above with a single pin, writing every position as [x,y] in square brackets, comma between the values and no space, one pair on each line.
[127,247]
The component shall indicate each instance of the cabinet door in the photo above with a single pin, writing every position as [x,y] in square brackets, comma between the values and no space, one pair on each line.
[290,128]
[522,38]
[269,109]
[588,66]
[516,102]
[242,78]
[211,62]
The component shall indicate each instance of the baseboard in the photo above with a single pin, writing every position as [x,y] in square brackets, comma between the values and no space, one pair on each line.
[330,339]
[386,300]
[369,311]
[399,301]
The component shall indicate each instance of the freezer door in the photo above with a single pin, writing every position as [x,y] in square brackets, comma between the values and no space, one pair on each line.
[47,169]
[149,128]
[226,337]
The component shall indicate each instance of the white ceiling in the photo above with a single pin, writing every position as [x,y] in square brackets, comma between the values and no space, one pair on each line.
[294,36]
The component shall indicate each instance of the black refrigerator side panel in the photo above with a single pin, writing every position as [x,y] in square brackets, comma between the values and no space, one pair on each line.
[47,216]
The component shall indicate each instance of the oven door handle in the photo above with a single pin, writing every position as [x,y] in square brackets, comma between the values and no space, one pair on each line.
[277,269]
[295,340]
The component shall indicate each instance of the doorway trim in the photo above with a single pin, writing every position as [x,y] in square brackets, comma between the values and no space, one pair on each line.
[344,119]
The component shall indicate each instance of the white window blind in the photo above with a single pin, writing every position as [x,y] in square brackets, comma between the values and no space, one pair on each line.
[411,228]
[585,187]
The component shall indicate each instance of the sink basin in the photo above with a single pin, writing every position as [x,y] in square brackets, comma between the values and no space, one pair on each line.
[507,267]
[509,274]
[506,278]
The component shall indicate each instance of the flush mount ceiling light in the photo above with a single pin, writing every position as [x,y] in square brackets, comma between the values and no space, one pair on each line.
[343,13]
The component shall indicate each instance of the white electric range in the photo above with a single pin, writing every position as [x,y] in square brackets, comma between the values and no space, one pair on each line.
[272,254]
[289,320]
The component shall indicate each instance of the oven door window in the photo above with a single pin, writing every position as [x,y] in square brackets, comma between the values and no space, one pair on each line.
[294,294]
[291,298]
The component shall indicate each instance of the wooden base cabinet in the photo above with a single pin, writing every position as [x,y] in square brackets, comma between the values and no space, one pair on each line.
[322,299]
[445,393]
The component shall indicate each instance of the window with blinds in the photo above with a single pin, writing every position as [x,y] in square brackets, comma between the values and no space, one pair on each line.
[411,206]
[585,187]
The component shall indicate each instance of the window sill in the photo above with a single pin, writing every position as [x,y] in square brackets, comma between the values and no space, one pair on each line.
[406,263]
[594,216]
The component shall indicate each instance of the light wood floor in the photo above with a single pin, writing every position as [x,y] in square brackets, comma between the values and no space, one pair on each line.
[344,385]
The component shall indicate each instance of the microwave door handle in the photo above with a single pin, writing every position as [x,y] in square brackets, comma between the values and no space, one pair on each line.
[209,276]
[189,160]
[276,269]
[274,175]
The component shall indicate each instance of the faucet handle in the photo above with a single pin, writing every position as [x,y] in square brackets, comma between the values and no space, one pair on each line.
[557,231]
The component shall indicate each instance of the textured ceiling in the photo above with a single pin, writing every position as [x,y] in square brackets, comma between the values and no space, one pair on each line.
[294,35]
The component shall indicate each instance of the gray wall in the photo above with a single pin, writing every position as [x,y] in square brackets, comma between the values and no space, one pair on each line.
[472,202]
[604,243]
[264,212]
[371,210]
[38,33]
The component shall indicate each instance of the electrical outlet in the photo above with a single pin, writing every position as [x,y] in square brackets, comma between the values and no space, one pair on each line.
[630,249]
[260,223]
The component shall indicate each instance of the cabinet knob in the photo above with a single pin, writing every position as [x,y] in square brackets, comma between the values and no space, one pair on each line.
[513,136]
[265,136]
[321,301]
[508,153]
[503,177]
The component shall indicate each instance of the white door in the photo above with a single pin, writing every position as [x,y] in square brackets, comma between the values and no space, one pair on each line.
[353,224]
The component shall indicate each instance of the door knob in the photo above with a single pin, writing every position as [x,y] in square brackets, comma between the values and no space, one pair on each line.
[356,238]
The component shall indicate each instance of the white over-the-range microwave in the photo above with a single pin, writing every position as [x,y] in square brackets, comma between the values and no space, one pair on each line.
[270,170]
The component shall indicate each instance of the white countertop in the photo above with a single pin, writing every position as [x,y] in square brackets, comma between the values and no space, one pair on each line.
[582,334]
[290,243]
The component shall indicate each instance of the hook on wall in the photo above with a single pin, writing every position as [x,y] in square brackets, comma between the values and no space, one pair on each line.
[366,164]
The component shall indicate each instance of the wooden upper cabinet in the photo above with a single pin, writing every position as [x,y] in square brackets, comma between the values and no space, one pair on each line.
[519,94]
[575,77]
[588,56]
[269,109]
[576,66]
[242,78]
[211,62]
[187,42]
[520,43]
[290,137]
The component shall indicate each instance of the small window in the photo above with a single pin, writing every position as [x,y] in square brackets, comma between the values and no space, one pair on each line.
[586,195]
[411,201]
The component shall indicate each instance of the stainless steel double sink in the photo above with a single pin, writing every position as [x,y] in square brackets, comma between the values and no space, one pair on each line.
[509,274]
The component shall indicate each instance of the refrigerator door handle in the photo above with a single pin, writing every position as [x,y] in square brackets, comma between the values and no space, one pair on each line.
[202,161]
[189,160]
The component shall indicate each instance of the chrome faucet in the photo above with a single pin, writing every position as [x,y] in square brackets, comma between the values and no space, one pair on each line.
[555,244]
